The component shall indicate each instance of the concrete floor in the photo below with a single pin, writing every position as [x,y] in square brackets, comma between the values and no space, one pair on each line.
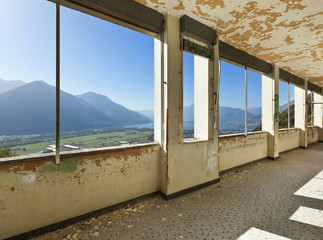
[260,195]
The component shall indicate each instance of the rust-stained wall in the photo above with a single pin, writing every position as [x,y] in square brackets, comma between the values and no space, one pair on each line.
[237,149]
[288,139]
[312,134]
[37,193]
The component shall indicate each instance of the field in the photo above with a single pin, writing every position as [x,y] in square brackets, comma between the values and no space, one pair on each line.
[94,138]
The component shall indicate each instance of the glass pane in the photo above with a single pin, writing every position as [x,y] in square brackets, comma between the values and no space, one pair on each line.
[188,95]
[254,101]
[232,99]
[27,77]
[107,83]
[283,105]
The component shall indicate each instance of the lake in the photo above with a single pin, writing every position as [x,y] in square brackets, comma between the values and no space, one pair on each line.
[187,126]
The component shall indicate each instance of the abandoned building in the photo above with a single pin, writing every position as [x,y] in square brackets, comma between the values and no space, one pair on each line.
[281,40]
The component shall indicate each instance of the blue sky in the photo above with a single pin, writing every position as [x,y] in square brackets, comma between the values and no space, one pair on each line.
[98,56]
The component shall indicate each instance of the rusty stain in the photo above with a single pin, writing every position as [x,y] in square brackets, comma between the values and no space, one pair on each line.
[12,189]
[143,2]
[211,3]
[157,2]
[180,5]
[120,153]
[289,40]
[98,163]
[18,166]
[83,170]
[40,178]
[123,170]
[77,176]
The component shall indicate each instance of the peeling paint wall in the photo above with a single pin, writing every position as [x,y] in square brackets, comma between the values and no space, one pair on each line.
[236,150]
[288,139]
[36,193]
[194,163]
[312,134]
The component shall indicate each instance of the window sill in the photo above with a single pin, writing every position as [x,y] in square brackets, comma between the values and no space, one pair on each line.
[193,140]
[241,134]
[74,153]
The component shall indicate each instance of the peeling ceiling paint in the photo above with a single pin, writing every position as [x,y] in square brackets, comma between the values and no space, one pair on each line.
[288,33]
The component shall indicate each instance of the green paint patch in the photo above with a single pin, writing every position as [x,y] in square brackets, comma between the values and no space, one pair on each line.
[66,166]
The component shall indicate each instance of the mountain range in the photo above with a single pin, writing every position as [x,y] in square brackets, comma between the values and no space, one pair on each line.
[30,109]
[227,114]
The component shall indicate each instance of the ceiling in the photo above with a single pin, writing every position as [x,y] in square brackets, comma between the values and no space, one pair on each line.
[288,33]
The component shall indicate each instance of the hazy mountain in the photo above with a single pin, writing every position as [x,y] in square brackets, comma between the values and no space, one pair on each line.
[227,114]
[8,85]
[30,109]
[285,106]
[255,111]
[118,113]
[188,113]
[148,114]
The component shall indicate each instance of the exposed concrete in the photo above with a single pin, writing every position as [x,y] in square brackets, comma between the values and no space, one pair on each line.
[259,195]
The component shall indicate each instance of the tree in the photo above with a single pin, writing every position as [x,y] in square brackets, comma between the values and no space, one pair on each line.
[7,152]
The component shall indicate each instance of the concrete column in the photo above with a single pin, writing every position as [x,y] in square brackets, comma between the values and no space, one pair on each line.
[214,101]
[318,114]
[201,98]
[301,113]
[171,98]
[270,110]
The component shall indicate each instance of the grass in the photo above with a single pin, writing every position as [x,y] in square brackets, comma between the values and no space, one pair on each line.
[92,140]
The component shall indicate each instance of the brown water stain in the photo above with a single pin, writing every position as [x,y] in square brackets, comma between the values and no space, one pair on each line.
[180,5]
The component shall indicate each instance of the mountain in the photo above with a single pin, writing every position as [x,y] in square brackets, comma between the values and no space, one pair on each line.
[233,115]
[8,85]
[255,111]
[188,113]
[148,114]
[118,113]
[30,109]
[227,114]
[285,106]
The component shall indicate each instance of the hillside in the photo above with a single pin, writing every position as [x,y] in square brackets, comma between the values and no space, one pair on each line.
[8,85]
[119,114]
[30,109]
[227,114]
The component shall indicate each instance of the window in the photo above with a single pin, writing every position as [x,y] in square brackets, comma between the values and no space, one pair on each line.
[107,82]
[27,77]
[188,95]
[232,99]
[195,96]
[254,101]
[286,99]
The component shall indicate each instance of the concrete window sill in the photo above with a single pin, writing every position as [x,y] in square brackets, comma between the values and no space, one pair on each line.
[81,152]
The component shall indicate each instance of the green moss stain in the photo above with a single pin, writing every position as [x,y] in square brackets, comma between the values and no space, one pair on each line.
[66,166]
